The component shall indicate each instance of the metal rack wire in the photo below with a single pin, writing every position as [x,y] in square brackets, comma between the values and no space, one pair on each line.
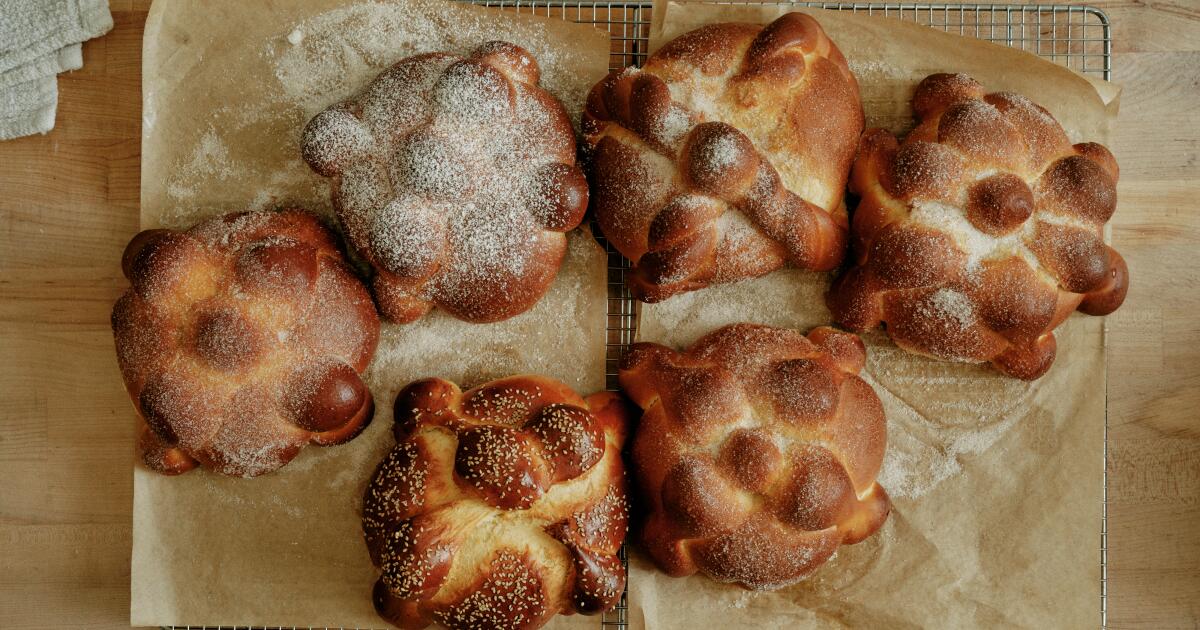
[1078,37]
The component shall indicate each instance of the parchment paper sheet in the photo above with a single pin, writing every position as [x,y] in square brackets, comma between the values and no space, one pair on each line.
[228,86]
[996,483]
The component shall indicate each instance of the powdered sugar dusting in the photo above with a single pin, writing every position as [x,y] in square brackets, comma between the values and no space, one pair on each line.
[310,508]
[938,413]
[747,409]
[951,306]
[248,161]
[674,125]
[652,180]
[788,298]
[465,173]
[719,154]
[342,49]
[977,245]
[221,367]
[440,345]
[709,98]
[216,177]
[210,158]
[736,229]
[404,235]
[745,598]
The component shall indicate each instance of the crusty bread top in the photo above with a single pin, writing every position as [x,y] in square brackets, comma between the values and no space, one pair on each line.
[725,156]
[757,452]
[981,232]
[456,178]
[500,506]
[241,340]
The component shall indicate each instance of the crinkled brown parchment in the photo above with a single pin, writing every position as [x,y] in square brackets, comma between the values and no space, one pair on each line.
[997,484]
[228,87]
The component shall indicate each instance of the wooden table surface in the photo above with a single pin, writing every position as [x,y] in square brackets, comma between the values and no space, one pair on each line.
[69,203]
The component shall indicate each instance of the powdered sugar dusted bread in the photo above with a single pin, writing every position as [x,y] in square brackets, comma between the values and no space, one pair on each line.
[725,156]
[242,340]
[981,232]
[499,507]
[456,178]
[757,452]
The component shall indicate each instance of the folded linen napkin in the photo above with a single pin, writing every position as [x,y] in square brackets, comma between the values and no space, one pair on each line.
[38,39]
[28,108]
[61,60]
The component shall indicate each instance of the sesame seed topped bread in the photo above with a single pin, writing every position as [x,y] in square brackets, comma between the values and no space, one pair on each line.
[499,507]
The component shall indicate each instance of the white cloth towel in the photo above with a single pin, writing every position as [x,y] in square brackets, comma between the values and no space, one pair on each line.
[39,39]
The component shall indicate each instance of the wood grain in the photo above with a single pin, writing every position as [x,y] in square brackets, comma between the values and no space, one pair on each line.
[69,202]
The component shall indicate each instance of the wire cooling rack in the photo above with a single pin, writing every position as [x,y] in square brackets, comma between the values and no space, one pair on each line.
[1078,37]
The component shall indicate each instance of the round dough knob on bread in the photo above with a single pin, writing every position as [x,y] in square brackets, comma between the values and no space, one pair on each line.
[756,453]
[455,177]
[981,232]
[725,155]
[500,506]
[241,340]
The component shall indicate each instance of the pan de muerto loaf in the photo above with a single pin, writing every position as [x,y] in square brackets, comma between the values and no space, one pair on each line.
[499,507]
[725,156]
[456,179]
[242,340]
[982,232]
[757,452]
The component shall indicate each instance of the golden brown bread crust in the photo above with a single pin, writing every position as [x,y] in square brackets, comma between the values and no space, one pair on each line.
[241,340]
[981,232]
[499,507]
[757,452]
[725,156]
[456,179]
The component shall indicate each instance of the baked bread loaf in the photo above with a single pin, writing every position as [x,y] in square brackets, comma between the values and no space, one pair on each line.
[757,452]
[241,340]
[456,178]
[499,507]
[725,156]
[982,232]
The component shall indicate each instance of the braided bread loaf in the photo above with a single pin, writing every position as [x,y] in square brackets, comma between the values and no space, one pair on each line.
[456,179]
[499,507]
[241,340]
[982,232]
[725,156]
[757,452]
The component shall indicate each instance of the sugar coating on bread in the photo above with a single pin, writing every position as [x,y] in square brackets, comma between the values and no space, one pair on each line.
[499,507]
[725,156]
[756,453]
[981,232]
[241,340]
[456,178]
